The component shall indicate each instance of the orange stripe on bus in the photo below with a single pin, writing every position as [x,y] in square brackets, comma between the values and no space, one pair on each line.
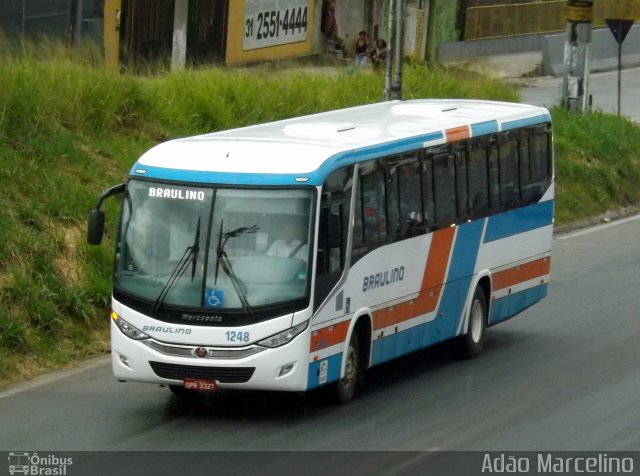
[432,283]
[328,336]
[521,273]
[457,133]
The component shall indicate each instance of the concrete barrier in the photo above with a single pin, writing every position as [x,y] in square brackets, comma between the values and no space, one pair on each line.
[604,51]
[468,50]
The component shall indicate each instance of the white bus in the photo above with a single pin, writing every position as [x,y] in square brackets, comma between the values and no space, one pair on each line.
[299,253]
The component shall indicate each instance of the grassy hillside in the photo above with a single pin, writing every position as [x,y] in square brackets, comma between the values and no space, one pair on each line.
[68,130]
[597,164]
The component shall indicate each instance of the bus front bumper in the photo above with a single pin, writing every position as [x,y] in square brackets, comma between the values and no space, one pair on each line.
[250,367]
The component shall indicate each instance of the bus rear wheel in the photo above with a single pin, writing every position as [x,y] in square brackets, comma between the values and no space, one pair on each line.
[346,386]
[472,342]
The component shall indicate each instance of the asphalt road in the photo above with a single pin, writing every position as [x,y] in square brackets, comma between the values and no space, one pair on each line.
[602,86]
[564,375]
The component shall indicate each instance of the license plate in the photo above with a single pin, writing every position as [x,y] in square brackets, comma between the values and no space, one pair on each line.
[200,384]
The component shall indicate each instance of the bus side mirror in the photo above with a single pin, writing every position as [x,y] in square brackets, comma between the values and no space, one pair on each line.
[95,228]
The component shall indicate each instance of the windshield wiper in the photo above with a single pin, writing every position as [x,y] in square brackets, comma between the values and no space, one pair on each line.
[221,258]
[195,249]
[191,253]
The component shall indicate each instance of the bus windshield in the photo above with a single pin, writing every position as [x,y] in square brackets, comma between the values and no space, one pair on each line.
[214,249]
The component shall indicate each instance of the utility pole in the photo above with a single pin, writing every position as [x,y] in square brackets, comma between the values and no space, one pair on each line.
[387,73]
[393,72]
[577,54]
[179,48]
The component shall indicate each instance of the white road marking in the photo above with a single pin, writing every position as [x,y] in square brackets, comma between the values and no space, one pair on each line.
[593,229]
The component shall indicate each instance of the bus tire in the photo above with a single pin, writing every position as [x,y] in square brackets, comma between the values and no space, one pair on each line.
[346,386]
[473,341]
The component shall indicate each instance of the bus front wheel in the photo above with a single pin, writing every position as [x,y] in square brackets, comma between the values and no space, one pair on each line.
[473,341]
[346,386]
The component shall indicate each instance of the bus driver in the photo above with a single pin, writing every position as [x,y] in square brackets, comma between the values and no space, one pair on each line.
[288,246]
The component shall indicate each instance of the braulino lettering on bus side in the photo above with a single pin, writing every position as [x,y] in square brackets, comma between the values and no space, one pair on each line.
[383,278]
[177,194]
[166,330]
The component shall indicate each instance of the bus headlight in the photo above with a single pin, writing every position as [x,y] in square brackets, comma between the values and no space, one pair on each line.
[284,337]
[127,329]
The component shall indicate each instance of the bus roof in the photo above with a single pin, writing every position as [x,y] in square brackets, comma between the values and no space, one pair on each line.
[305,150]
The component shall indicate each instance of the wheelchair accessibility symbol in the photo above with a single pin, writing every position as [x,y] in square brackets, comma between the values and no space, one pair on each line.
[214,298]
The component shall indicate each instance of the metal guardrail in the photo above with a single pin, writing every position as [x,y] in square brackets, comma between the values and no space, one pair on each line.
[537,16]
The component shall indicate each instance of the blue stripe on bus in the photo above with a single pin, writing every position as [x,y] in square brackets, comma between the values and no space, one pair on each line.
[529,121]
[369,153]
[402,343]
[395,147]
[519,221]
[461,269]
[445,325]
[508,306]
[398,344]
[316,177]
[200,176]
[483,128]
[333,371]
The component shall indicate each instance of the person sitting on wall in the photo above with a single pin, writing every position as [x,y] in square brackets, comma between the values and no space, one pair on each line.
[378,55]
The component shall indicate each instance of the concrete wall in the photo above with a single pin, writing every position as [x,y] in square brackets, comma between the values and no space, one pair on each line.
[443,16]
[604,51]
[466,50]
[351,18]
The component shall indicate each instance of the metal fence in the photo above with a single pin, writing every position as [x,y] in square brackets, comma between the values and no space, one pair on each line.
[534,16]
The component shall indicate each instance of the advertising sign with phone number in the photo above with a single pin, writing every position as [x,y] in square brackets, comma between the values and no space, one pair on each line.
[274,22]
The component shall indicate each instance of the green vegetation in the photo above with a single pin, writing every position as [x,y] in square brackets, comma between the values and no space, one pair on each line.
[68,130]
[597,164]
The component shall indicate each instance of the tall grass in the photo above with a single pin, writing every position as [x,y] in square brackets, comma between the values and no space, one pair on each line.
[597,163]
[68,130]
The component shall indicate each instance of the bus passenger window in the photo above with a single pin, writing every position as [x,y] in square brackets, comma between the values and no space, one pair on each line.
[331,260]
[393,207]
[427,192]
[462,190]
[535,170]
[373,203]
[509,188]
[539,156]
[528,195]
[478,186]
[494,178]
[445,191]
[336,198]
[371,206]
[411,217]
